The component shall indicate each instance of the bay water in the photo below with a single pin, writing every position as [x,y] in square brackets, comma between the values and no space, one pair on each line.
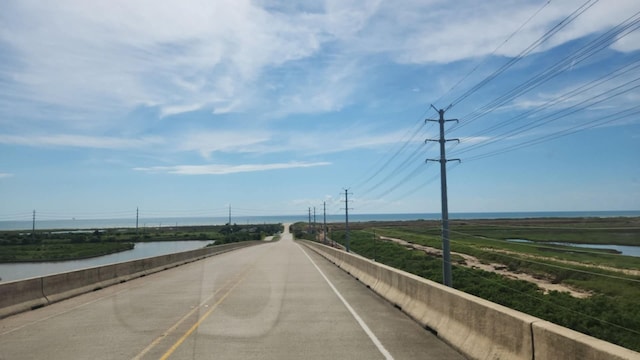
[17,271]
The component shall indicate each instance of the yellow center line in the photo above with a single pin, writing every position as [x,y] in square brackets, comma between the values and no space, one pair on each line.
[177,344]
[175,326]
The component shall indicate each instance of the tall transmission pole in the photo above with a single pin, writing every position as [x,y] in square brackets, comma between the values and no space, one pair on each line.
[314,222]
[346,210]
[309,224]
[324,228]
[446,250]
[229,215]
[137,213]
[33,225]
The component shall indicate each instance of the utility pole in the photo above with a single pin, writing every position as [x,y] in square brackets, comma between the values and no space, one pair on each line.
[229,234]
[33,226]
[346,209]
[324,228]
[375,247]
[314,222]
[309,224]
[137,213]
[446,251]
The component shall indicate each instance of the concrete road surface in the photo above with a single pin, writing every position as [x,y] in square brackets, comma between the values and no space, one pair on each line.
[273,301]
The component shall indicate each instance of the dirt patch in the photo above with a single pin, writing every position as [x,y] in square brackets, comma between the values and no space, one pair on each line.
[473,263]
[568,262]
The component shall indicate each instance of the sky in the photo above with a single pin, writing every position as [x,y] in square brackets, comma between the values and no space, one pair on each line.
[271,107]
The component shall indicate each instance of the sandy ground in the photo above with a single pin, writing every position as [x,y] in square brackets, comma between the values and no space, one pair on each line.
[473,263]
[569,262]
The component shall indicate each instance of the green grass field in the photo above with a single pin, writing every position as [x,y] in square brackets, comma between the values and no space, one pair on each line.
[59,245]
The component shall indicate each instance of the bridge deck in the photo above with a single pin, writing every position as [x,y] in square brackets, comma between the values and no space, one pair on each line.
[278,301]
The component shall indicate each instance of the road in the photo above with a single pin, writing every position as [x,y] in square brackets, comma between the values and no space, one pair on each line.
[274,301]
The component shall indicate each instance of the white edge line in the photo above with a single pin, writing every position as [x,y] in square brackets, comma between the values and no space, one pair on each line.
[361,322]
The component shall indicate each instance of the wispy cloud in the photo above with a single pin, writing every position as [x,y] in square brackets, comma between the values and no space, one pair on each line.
[208,142]
[486,27]
[218,169]
[80,141]
[103,60]
[5,175]
[97,57]
[470,140]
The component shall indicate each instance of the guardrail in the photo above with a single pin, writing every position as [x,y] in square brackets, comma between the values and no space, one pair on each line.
[23,295]
[476,327]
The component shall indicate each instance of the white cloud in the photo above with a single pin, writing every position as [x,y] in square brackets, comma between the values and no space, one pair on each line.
[119,54]
[318,142]
[218,169]
[80,141]
[443,32]
[208,142]
[5,175]
[88,64]
[470,140]
[179,109]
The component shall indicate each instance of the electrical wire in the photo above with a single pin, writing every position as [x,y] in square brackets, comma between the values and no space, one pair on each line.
[593,47]
[550,33]
[594,123]
[486,58]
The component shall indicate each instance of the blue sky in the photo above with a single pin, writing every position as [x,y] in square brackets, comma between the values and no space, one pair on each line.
[182,108]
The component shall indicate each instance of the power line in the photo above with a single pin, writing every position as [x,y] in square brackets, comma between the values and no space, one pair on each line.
[411,159]
[411,137]
[563,98]
[550,33]
[486,59]
[527,127]
[602,42]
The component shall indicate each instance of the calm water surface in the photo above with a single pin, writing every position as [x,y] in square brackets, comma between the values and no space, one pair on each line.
[19,271]
[622,249]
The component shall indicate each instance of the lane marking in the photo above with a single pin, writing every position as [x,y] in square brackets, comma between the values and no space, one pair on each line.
[185,317]
[164,335]
[193,328]
[361,322]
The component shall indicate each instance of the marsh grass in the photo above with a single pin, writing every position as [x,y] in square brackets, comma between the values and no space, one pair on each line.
[612,313]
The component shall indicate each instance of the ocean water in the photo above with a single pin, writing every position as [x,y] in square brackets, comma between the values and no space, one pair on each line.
[187,221]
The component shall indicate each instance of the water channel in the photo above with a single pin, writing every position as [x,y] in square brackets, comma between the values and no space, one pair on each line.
[627,250]
[26,270]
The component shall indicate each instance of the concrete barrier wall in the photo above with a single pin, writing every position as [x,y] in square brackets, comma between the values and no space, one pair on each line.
[476,327]
[17,296]
[552,341]
[24,295]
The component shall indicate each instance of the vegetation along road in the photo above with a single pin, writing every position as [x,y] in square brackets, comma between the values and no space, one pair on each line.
[594,291]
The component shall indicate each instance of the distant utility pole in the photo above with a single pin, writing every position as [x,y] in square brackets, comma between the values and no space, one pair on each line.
[446,252]
[33,225]
[315,231]
[137,213]
[324,228]
[309,224]
[346,209]
[229,215]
